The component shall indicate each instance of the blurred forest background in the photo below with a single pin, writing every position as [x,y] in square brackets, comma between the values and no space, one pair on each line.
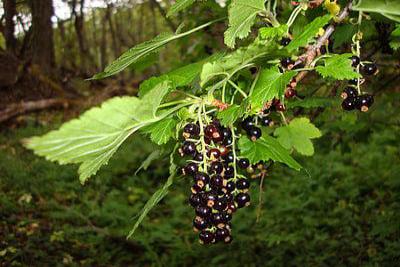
[344,210]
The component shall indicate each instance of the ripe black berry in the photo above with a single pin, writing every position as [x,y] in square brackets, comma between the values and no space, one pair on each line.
[353,81]
[191,129]
[242,184]
[279,106]
[221,234]
[248,123]
[198,157]
[228,158]
[200,224]
[189,148]
[210,131]
[229,171]
[201,179]
[285,62]
[349,92]
[214,153]
[348,104]
[364,102]
[230,186]
[231,208]
[242,199]
[243,163]
[227,141]
[218,218]
[285,41]
[217,182]
[254,133]
[355,61]
[206,237]
[190,169]
[370,69]
[216,167]
[195,200]
[266,121]
[226,133]
[219,205]
[203,212]
[290,92]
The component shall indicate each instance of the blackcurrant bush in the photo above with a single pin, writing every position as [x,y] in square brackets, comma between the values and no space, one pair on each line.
[285,62]
[216,167]
[192,129]
[190,169]
[203,211]
[247,123]
[242,184]
[242,200]
[228,158]
[348,104]
[364,102]
[206,237]
[243,163]
[285,41]
[254,133]
[355,60]
[189,148]
[349,92]
[266,121]
[370,69]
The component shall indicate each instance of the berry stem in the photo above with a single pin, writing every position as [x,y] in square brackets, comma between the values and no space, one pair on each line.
[237,88]
[203,144]
[283,118]
[294,15]
[234,152]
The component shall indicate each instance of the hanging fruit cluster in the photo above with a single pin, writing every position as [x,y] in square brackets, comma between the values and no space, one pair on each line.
[218,189]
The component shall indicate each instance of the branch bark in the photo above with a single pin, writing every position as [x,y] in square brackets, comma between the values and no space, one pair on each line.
[308,57]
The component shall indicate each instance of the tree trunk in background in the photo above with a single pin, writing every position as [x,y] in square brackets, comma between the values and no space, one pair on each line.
[103,44]
[80,34]
[9,14]
[112,30]
[42,35]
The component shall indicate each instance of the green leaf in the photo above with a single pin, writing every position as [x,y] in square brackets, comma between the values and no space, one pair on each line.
[270,84]
[266,148]
[156,154]
[273,32]
[338,67]
[297,135]
[387,8]
[395,38]
[311,102]
[230,115]
[94,137]
[343,34]
[242,14]
[309,32]
[162,131]
[178,6]
[142,50]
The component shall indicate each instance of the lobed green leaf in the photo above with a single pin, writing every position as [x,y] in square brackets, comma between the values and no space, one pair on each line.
[338,67]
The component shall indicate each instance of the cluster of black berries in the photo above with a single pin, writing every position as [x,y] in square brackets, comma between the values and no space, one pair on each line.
[251,123]
[351,99]
[216,192]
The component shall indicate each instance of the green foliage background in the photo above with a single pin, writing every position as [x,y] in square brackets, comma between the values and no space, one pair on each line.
[344,210]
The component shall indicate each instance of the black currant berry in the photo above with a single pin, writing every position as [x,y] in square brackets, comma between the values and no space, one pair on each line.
[214,153]
[355,60]
[349,92]
[226,133]
[190,169]
[210,131]
[290,92]
[195,200]
[217,182]
[191,130]
[223,150]
[266,121]
[189,148]
[353,81]
[248,123]
[203,212]
[243,163]
[229,187]
[219,205]
[348,104]
[228,158]
[201,179]
[242,184]
[227,141]
[254,133]
[364,102]
[370,69]
[221,234]
[323,50]
[206,237]
[285,41]
[229,171]
[216,167]
[279,106]
[242,200]
[231,208]
[196,189]
[198,157]
[200,224]
[285,62]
